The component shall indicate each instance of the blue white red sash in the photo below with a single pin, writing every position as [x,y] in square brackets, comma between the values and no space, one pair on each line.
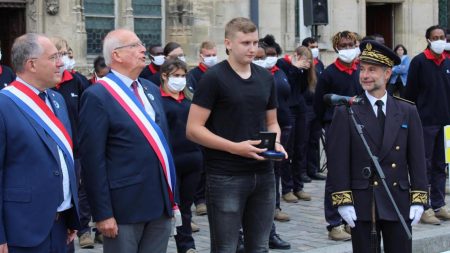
[29,102]
[155,137]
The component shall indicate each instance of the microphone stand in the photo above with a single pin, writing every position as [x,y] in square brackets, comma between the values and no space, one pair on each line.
[379,172]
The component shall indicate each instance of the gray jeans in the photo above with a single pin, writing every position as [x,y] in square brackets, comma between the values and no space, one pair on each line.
[232,200]
[152,236]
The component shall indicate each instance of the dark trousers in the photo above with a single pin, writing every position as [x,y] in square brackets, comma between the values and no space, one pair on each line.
[83,206]
[188,176]
[394,237]
[200,192]
[332,215]
[246,199]
[282,165]
[56,241]
[313,131]
[435,158]
[291,178]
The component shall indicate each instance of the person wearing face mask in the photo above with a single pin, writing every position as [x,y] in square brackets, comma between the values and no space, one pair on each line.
[100,69]
[342,78]
[312,44]
[313,145]
[428,85]
[188,158]
[292,183]
[157,58]
[6,75]
[71,89]
[398,80]
[208,58]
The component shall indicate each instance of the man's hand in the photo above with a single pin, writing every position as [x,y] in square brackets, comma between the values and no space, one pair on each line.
[280,148]
[4,248]
[108,227]
[248,149]
[415,212]
[348,214]
[71,235]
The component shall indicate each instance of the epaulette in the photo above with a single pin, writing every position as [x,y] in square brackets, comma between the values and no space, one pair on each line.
[404,100]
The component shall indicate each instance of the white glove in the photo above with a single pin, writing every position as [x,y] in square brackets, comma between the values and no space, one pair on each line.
[415,212]
[348,214]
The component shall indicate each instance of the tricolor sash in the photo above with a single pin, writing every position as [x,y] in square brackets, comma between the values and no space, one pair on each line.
[151,131]
[29,102]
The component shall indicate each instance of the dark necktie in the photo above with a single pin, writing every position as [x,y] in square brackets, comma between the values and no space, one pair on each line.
[380,114]
[42,95]
[135,91]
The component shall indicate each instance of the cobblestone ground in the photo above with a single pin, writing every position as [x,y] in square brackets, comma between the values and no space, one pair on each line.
[305,231]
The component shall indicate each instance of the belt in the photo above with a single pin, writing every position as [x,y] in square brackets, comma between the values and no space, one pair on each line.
[61,215]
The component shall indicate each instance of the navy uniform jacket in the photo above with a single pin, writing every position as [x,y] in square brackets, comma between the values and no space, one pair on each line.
[6,76]
[122,173]
[400,152]
[30,176]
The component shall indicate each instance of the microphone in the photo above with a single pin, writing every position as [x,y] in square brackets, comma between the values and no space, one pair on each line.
[333,99]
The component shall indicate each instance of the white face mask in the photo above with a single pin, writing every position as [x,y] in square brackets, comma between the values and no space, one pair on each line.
[182,58]
[158,60]
[176,83]
[210,60]
[358,51]
[347,55]
[261,63]
[437,46]
[447,46]
[315,52]
[271,61]
[66,61]
[71,64]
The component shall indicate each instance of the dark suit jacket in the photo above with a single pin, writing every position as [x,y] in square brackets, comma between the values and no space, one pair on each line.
[121,172]
[30,175]
[400,152]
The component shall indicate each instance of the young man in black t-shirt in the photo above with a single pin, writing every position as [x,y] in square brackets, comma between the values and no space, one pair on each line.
[233,102]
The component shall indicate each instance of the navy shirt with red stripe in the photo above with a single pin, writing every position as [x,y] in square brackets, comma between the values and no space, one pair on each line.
[336,79]
[429,87]
[6,76]
[151,73]
[194,76]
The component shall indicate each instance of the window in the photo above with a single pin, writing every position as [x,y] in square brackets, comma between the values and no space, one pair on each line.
[100,20]
[147,20]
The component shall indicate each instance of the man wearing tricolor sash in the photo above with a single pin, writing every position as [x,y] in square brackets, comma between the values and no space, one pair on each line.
[38,208]
[128,169]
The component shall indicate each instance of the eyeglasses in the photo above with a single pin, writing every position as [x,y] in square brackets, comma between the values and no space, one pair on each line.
[54,57]
[133,45]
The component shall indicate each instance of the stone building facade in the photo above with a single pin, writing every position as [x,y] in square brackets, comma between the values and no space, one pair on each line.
[84,22]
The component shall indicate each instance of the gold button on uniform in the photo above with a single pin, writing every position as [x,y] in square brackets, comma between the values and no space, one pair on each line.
[397,147]
[394,165]
[394,184]
[375,183]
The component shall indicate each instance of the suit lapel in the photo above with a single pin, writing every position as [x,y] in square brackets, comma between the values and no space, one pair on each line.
[391,126]
[366,116]
[151,98]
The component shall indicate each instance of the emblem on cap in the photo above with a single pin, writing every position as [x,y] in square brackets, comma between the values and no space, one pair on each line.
[369,47]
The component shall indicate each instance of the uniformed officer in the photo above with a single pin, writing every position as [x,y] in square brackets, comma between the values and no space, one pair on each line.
[393,132]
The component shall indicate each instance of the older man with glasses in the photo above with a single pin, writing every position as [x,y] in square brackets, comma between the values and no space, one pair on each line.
[127,164]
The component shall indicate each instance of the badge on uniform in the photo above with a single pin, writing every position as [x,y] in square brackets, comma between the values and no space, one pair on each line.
[150,96]
[405,126]
[56,104]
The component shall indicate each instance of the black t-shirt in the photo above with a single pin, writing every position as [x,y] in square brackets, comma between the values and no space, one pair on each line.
[238,113]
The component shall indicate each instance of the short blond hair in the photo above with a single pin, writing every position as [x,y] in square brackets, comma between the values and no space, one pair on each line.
[208,45]
[59,43]
[240,24]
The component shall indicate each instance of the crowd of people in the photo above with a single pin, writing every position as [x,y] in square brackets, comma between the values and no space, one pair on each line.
[136,145]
